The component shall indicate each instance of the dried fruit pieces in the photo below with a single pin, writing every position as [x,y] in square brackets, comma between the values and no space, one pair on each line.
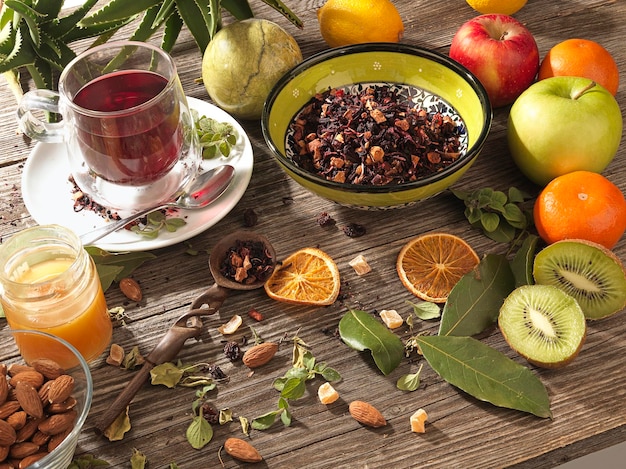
[327,394]
[391,318]
[418,421]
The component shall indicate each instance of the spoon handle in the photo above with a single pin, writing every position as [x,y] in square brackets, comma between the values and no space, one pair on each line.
[93,236]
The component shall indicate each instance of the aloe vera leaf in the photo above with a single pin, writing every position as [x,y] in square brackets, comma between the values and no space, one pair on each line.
[21,55]
[285,11]
[522,263]
[30,17]
[117,10]
[195,20]
[239,9]
[49,8]
[165,10]
[485,373]
[65,24]
[100,29]
[173,27]
[474,302]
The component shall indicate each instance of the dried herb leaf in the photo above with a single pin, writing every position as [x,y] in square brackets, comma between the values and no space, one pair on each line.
[522,263]
[112,267]
[199,432]
[360,331]
[119,427]
[87,461]
[485,373]
[426,310]
[474,302]
[265,421]
[166,374]
[138,460]
[245,425]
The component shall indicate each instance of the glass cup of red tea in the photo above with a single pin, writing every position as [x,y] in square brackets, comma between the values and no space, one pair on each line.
[125,121]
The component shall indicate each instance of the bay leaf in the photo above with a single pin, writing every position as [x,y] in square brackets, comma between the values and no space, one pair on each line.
[361,331]
[119,427]
[522,263]
[474,302]
[485,373]
[114,266]
[167,374]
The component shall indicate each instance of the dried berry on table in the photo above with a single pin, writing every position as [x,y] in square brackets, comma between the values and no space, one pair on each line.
[250,217]
[324,219]
[354,230]
[232,350]
[247,262]
[374,134]
[255,314]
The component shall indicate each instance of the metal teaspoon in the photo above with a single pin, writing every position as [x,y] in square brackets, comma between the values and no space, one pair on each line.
[207,187]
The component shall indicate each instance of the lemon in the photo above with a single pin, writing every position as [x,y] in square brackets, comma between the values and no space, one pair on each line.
[344,22]
[504,7]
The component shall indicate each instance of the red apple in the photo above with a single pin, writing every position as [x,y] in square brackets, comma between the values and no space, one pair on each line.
[501,52]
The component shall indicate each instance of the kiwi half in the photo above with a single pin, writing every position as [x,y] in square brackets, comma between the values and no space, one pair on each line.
[543,324]
[589,272]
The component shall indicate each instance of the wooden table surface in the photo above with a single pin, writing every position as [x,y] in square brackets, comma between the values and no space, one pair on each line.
[588,398]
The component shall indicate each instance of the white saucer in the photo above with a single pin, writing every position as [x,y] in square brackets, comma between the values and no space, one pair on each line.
[47,192]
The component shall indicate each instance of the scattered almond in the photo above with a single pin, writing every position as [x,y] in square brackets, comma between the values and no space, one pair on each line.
[29,399]
[47,367]
[58,423]
[60,389]
[366,414]
[418,421]
[327,394]
[259,354]
[131,289]
[242,450]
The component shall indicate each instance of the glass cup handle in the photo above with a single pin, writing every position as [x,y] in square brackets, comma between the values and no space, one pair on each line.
[35,128]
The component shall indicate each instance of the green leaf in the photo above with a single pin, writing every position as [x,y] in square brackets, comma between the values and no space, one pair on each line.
[522,263]
[194,15]
[125,262]
[108,274]
[285,417]
[293,388]
[360,331]
[409,382]
[265,421]
[474,302]
[171,31]
[330,374]
[118,10]
[490,221]
[199,433]
[516,196]
[286,12]
[239,9]
[426,310]
[485,373]
[514,215]
[167,374]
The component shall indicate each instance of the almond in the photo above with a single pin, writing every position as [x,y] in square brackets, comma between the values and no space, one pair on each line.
[131,289]
[32,459]
[366,414]
[40,438]
[15,368]
[27,431]
[60,407]
[58,423]
[4,389]
[8,408]
[60,389]
[29,399]
[242,450]
[7,434]
[21,450]
[4,453]
[17,420]
[3,369]
[32,377]
[47,367]
[259,354]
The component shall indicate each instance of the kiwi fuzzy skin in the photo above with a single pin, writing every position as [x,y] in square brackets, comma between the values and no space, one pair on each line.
[504,322]
[593,315]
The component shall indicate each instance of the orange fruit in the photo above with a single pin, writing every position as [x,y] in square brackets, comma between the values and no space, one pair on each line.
[308,276]
[344,22]
[430,265]
[505,7]
[581,205]
[581,58]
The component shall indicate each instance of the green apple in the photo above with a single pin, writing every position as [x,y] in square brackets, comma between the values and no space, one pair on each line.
[563,124]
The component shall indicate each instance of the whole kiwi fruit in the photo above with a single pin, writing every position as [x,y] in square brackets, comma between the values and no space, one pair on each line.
[543,324]
[588,271]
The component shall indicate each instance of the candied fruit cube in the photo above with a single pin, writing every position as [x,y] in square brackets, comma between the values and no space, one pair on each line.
[418,421]
[391,318]
[327,394]
[360,265]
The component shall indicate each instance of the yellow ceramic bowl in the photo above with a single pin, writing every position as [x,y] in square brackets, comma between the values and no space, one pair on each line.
[436,74]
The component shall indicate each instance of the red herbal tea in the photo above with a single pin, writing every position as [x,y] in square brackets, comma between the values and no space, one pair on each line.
[135,147]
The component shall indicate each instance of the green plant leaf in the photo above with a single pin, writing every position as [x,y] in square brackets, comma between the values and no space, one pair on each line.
[167,374]
[475,300]
[124,263]
[522,262]
[286,12]
[409,382]
[171,31]
[360,331]
[240,9]
[293,388]
[265,421]
[490,221]
[194,15]
[426,310]
[199,433]
[116,10]
[485,373]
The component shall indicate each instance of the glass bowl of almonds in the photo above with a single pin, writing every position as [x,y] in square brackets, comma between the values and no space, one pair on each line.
[44,400]
[377,125]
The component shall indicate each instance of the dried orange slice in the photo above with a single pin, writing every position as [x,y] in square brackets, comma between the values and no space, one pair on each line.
[308,276]
[430,265]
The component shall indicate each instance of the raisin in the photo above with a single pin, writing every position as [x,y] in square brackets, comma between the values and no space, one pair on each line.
[354,230]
